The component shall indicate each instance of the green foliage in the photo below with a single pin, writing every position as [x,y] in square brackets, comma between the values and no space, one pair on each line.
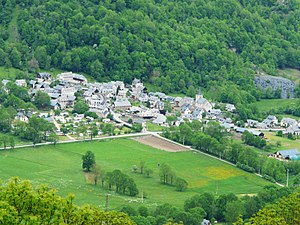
[122,183]
[253,140]
[42,100]
[180,184]
[213,140]
[88,161]
[286,211]
[176,45]
[42,205]
[44,164]
[81,107]
[167,176]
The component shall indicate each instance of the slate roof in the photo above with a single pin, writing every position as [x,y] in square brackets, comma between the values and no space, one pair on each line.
[290,153]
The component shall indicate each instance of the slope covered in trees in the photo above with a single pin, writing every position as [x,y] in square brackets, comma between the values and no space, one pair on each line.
[175,45]
[286,211]
[20,203]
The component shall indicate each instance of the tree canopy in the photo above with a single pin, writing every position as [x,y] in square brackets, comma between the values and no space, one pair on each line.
[175,45]
[20,203]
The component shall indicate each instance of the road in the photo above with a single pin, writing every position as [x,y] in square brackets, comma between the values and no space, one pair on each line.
[56,124]
[99,138]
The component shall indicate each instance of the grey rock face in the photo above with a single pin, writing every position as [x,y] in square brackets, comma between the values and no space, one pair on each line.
[275,83]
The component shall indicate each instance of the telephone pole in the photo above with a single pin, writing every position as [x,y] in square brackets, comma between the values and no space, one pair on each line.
[106,202]
[287,177]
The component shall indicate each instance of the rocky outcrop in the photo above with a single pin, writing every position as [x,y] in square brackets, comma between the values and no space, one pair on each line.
[275,83]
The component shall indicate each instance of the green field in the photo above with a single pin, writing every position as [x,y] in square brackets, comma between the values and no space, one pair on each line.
[60,167]
[291,74]
[285,142]
[266,105]
[154,127]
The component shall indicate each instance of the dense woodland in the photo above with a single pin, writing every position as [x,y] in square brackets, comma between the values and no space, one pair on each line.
[174,45]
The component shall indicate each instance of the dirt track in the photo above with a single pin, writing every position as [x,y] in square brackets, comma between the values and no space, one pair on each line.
[160,143]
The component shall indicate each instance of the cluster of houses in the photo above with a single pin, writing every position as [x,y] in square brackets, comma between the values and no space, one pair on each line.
[287,125]
[135,102]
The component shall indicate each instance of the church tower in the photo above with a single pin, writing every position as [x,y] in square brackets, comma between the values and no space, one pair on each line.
[199,95]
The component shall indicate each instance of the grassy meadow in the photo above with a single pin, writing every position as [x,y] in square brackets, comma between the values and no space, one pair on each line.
[266,105]
[292,74]
[285,142]
[60,167]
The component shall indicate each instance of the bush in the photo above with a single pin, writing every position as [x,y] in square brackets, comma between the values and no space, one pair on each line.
[267,177]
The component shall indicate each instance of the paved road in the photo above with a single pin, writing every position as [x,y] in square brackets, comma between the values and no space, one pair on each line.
[100,138]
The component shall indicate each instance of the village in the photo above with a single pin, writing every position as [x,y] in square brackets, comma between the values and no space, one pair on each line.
[125,108]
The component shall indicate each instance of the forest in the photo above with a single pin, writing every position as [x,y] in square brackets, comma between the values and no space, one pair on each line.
[175,46]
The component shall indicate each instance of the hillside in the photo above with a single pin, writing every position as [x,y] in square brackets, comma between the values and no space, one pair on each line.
[175,45]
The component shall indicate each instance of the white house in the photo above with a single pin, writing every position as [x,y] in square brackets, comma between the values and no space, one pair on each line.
[286,122]
[229,107]
[122,103]
[160,119]
[270,121]
[21,83]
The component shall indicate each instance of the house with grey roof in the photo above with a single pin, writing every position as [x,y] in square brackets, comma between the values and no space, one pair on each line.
[4,82]
[290,154]
[186,100]
[197,113]
[72,78]
[252,123]
[204,104]
[295,130]
[44,76]
[122,103]
[186,108]
[229,107]
[286,122]
[270,121]
[160,119]
[21,83]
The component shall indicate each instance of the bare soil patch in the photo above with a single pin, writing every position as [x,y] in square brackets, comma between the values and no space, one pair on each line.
[160,143]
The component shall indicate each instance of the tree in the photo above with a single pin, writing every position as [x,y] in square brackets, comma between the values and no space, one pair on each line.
[42,100]
[88,161]
[4,140]
[15,58]
[233,211]
[81,107]
[148,172]
[40,204]
[286,211]
[12,142]
[167,176]
[97,173]
[94,131]
[180,184]
[33,65]
[53,138]
[142,166]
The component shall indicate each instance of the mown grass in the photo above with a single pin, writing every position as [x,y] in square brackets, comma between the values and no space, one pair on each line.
[154,127]
[60,167]
[285,142]
[266,105]
[291,74]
